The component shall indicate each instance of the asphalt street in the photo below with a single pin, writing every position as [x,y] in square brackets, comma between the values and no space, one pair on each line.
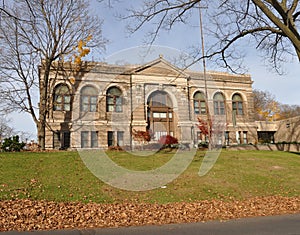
[270,225]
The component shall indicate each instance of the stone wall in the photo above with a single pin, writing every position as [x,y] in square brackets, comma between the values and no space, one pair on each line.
[137,83]
[271,147]
[288,130]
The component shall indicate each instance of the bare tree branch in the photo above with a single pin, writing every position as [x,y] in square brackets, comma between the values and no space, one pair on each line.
[272,24]
[51,31]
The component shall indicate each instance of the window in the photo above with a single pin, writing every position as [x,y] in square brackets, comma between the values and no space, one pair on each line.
[120,138]
[199,103]
[245,140]
[219,104]
[159,99]
[62,98]
[61,139]
[238,137]
[219,139]
[241,137]
[199,136]
[111,141]
[56,139]
[159,134]
[66,141]
[266,136]
[84,139]
[110,138]
[227,140]
[94,139]
[89,139]
[161,115]
[237,105]
[88,100]
[114,100]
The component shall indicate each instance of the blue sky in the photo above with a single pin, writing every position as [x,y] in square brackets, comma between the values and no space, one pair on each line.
[285,87]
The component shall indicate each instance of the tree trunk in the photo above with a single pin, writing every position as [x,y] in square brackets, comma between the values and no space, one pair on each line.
[41,135]
[41,126]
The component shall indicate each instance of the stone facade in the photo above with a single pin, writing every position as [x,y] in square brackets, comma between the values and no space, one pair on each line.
[283,131]
[288,130]
[101,105]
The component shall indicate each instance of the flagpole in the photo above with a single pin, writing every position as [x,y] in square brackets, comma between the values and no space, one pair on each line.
[209,123]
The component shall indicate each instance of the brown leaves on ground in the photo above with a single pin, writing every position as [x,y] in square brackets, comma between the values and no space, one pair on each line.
[42,215]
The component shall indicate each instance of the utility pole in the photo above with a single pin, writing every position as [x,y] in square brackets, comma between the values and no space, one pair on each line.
[209,122]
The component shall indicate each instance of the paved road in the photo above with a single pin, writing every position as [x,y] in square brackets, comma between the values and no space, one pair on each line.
[272,225]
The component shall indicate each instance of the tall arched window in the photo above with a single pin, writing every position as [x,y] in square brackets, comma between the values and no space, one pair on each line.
[114,100]
[159,99]
[88,99]
[199,103]
[219,104]
[62,98]
[237,104]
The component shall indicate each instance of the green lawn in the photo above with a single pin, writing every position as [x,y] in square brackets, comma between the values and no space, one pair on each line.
[62,176]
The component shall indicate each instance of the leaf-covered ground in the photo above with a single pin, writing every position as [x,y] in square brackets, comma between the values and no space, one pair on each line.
[24,214]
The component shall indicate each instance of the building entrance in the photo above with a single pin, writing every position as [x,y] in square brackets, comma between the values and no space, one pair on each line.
[160,118]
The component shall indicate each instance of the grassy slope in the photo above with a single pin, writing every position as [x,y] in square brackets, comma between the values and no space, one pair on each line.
[61,176]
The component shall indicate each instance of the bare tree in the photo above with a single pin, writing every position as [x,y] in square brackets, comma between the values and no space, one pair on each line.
[266,107]
[5,130]
[289,111]
[272,25]
[35,34]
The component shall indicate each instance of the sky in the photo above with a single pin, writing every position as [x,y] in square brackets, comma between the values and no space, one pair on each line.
[285,87]
[122,44]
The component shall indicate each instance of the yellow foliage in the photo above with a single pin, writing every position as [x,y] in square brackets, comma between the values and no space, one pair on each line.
[72,80]
[77,60]
[89,38]
[84,52]
[271,111]
[81,50]
[277,116]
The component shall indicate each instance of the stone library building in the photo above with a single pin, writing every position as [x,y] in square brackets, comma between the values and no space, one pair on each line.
[100,105]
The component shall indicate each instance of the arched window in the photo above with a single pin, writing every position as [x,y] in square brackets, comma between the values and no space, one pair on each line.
[62,98]
[159,99]
[219,104]
[114,100]
[88,99]
[237,104]
[199,103]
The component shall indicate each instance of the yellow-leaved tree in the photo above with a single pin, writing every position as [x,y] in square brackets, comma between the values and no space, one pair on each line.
[35,34]
[81,50]
[265,106]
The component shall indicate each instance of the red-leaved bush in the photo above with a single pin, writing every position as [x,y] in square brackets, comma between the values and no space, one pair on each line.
[141,136]
[167,140]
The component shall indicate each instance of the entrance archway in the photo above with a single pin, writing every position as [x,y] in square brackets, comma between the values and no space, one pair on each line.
[160,116]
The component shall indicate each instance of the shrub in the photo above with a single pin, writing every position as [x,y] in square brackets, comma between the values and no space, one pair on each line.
[203,144]
[167,140]
[115,148]
[12,144]
[142,136]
